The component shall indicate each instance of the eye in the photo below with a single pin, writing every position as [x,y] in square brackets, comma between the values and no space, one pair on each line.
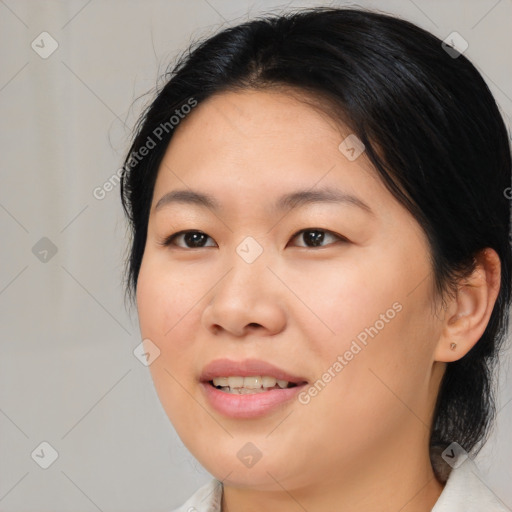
[312,237]
[315,237]
[192,239]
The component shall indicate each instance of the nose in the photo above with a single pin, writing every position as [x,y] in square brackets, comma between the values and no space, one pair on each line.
[247,299]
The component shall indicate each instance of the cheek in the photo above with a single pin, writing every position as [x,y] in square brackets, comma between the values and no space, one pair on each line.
[166,316]
[166,301]
[345,297]
[381,371]
[169,305]
[371,332]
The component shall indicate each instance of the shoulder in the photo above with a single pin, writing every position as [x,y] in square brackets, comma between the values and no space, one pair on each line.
[206,499]
[466,491]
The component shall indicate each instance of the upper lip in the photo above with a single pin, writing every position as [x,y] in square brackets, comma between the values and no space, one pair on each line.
[246,368]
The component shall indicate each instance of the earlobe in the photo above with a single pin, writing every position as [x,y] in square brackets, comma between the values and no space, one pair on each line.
[469,310]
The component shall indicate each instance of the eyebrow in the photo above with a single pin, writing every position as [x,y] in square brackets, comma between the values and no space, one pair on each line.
[284,203]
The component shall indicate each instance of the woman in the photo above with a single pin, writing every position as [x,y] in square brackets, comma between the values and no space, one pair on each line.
[321,264]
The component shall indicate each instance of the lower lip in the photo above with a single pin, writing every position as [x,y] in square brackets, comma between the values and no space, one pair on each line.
[251,405]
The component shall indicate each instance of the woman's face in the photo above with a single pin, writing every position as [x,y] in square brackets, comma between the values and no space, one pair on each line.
[332,287]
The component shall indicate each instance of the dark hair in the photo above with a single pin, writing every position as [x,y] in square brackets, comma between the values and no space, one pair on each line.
[430,127]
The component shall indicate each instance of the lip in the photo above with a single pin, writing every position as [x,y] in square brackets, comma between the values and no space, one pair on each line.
[250,405]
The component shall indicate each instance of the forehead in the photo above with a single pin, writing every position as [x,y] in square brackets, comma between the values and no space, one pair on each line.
[248,138]
[260,115]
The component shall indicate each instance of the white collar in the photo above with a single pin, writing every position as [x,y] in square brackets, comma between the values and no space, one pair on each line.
[466,491]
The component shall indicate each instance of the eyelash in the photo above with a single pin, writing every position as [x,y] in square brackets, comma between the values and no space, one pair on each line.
[168,241]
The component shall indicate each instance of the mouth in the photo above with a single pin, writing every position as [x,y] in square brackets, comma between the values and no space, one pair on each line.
[248,388]
[239,385]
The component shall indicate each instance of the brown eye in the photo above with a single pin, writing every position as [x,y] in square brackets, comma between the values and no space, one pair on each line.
[314,237]
[190,239]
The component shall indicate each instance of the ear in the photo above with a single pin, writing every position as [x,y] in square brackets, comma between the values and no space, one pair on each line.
[467,313]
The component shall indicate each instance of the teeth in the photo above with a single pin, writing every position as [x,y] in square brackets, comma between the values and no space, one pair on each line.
[250,382]
[268,382]
[246,384]
[220,381]
[236,382]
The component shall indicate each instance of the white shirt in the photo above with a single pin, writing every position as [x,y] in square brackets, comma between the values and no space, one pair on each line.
[464,491]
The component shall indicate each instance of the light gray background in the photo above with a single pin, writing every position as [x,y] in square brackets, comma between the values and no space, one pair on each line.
[67,372]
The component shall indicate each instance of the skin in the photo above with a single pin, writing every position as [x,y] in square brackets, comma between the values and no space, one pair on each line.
[361,444]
